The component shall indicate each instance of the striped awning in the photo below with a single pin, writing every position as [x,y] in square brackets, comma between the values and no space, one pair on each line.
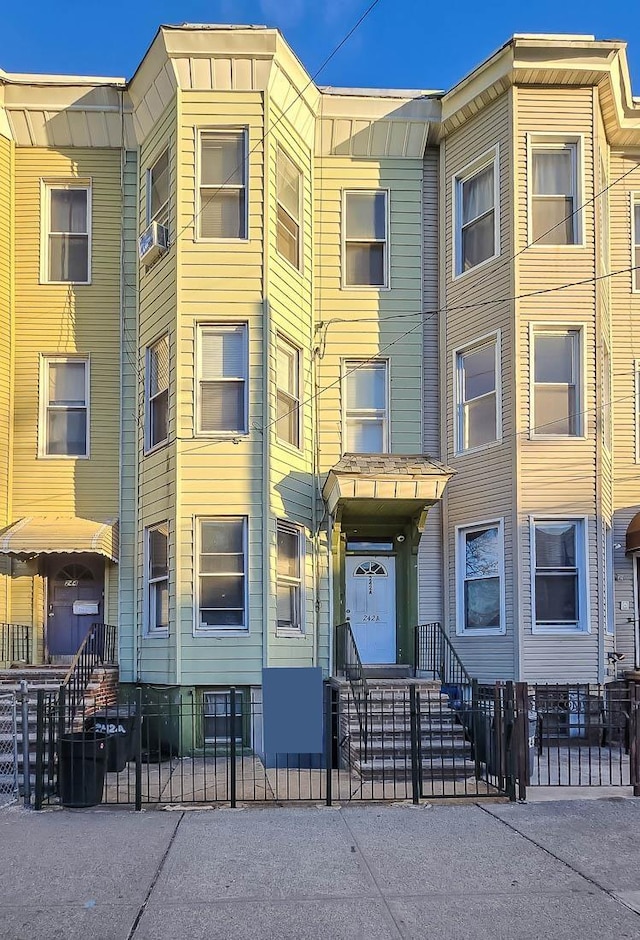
[60,535]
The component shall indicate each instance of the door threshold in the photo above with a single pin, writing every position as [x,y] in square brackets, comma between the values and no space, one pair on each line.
[387,671]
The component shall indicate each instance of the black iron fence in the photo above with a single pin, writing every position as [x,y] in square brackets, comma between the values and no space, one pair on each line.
[16,643]
[349,667]
[99,647]
[435,656]
[175,750]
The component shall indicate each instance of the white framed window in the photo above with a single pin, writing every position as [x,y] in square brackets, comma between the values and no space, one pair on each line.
[66,226]
[480,579]
[157,578]
[366,406]
[64,409]
[557,382]
[158,392]
[635,241]
[290,565]
[288,392]
[478,418]
[289,209]
[365,255]
[222,575]
[222,379]
[222,184]
[158,190]
[555,188]
[477,237]
[217,715]
[558,565]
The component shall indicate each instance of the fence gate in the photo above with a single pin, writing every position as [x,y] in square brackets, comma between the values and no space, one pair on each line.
[8,750]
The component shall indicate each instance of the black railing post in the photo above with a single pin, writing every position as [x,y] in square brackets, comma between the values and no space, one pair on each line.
[24,723]
[39,782]
[328,742]
[415,748]
[475,727]
[232,768]
[138,749]
[510,737]
[523,751]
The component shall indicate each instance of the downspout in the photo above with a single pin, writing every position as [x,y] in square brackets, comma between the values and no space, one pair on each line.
[266,397]
[12,360]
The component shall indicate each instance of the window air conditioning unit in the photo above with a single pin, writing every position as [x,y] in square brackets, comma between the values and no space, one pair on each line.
[153,243]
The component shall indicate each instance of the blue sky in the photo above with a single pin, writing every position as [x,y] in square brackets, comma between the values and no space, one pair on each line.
[402,44]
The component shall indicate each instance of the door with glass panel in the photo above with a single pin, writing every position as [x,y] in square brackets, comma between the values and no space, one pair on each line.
[371,606]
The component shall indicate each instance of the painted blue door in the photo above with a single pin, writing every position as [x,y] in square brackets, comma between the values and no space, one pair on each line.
[371,606]
[75,596]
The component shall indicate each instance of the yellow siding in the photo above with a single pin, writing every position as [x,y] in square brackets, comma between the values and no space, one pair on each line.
[557,477]
[59,319]
[6,324]
[483,488]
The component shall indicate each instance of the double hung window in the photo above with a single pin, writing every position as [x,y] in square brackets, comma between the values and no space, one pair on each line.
[556,383]
[480,579]
[157,575]
[477,393]
[289,577]
[289,193]
[476,201]
[635,251]
[554,193]
[366,407]
[67,222]
[222,379]
[288,392]
[222,569]
[158,190]
[222,198]
[157,392]
[365,239]
[65,408]
[558,563]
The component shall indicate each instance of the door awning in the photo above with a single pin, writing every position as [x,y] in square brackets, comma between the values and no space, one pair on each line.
[60,535]
[385,485]
[633,534]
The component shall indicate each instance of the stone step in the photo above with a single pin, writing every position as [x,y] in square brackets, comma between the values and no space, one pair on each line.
[446,769]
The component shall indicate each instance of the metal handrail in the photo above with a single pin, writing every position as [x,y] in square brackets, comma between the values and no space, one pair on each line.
[349,666]
[98,647]
[435,653]
[16,642]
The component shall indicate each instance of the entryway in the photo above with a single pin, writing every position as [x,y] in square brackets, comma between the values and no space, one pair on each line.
[371,606]
[75,600]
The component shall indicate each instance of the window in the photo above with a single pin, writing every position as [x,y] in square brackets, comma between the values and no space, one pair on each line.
[559,598]
[158,190]
[157,392]
[222,379]
[366,407]
[157,577]
[476,223]
[222,209]
[289,191]
[477,411]
[480,579]
[66,253]
[289,579]
[556,392]
[554,193]
[217,716]
[222,567]
[65,421]
[635,228]
[365,236]
[288,392]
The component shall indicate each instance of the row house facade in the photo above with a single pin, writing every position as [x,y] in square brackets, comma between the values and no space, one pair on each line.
[277,356]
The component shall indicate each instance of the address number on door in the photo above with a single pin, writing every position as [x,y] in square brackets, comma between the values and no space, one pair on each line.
[71,583]
[371,618]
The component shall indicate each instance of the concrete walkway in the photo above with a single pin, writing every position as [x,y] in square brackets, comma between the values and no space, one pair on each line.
[562,871]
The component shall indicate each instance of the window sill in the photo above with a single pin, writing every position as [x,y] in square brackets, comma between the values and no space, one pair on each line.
[241,240]
[290,448]
[361,287]
[290,634]
[217,436]
[481,266]
[564,438]
[299,271]
[481,631]
[156,447]
[536,246]
[155,635]
[64,456]
[558,630]
[218,633]
[44,283]
[479,449]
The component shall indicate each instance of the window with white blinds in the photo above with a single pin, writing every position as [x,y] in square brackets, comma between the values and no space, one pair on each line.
[554,184]
[222,199]
[158,392]
[66,249]
[476,194]
[222,379]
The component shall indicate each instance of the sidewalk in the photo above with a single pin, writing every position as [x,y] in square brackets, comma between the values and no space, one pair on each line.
[562,871]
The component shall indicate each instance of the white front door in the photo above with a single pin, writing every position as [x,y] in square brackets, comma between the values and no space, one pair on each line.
[371,606]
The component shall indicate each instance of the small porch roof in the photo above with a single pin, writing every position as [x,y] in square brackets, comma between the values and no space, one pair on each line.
[385,485]
[63,535]
[633,534]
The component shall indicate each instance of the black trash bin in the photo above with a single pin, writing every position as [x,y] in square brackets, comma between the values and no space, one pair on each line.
[117,724]
[82,768]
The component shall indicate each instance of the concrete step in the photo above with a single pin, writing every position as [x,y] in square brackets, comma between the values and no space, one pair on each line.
[445,769]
